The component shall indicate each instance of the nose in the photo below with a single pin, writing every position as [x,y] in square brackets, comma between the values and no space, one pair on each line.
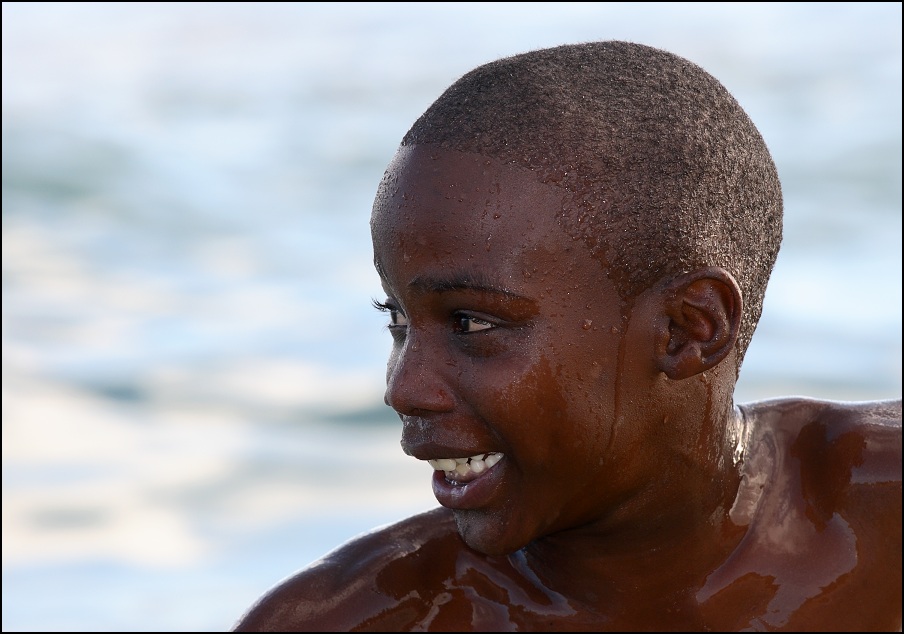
[416,381]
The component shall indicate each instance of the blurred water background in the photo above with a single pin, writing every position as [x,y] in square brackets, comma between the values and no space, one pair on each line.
[192,371]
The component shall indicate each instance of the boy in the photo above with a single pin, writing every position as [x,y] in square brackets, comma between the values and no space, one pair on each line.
[575,243]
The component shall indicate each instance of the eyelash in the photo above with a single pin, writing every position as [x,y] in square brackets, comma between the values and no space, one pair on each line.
[388,308]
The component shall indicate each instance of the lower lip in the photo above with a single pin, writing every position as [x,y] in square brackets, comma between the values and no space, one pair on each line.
[472,495]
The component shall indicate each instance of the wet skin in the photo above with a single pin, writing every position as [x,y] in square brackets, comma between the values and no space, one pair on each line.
[631,493]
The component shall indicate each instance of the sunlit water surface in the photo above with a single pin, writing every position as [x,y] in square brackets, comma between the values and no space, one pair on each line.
[192,372]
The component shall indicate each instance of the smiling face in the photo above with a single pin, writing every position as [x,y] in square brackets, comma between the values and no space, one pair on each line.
[509,348]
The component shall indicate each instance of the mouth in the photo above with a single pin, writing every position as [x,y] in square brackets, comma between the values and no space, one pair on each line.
[469,483]
[464,470]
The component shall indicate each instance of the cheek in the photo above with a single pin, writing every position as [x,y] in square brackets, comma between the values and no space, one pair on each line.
[535,396]
[533,414]
[549,406]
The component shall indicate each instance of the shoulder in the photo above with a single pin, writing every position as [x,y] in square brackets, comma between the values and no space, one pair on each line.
[368,577]
[837,445]
[798,408]
[864,437]
[834,484]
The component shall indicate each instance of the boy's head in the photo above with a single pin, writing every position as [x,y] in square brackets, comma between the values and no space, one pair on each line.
[663,171]
[563,238]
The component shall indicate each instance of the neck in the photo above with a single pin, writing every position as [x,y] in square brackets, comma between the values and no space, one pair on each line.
[663,542]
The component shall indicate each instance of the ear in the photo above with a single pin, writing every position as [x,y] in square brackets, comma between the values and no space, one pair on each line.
[700,322]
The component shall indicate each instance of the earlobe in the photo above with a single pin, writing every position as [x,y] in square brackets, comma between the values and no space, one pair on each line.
[700,322]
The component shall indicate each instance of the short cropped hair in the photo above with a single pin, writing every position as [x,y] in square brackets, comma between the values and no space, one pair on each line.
[663,170]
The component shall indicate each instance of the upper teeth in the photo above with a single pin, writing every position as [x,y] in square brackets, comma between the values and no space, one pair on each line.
[462,466]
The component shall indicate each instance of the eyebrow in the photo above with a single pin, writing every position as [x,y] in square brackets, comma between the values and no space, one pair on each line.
[474,281]
[462,281]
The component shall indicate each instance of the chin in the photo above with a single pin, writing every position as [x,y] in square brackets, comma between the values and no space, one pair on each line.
[487,533]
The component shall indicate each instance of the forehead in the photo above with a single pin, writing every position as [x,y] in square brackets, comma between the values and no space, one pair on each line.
[457,204]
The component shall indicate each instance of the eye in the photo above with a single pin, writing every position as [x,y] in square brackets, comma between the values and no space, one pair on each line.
[467,323]
[397,318]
